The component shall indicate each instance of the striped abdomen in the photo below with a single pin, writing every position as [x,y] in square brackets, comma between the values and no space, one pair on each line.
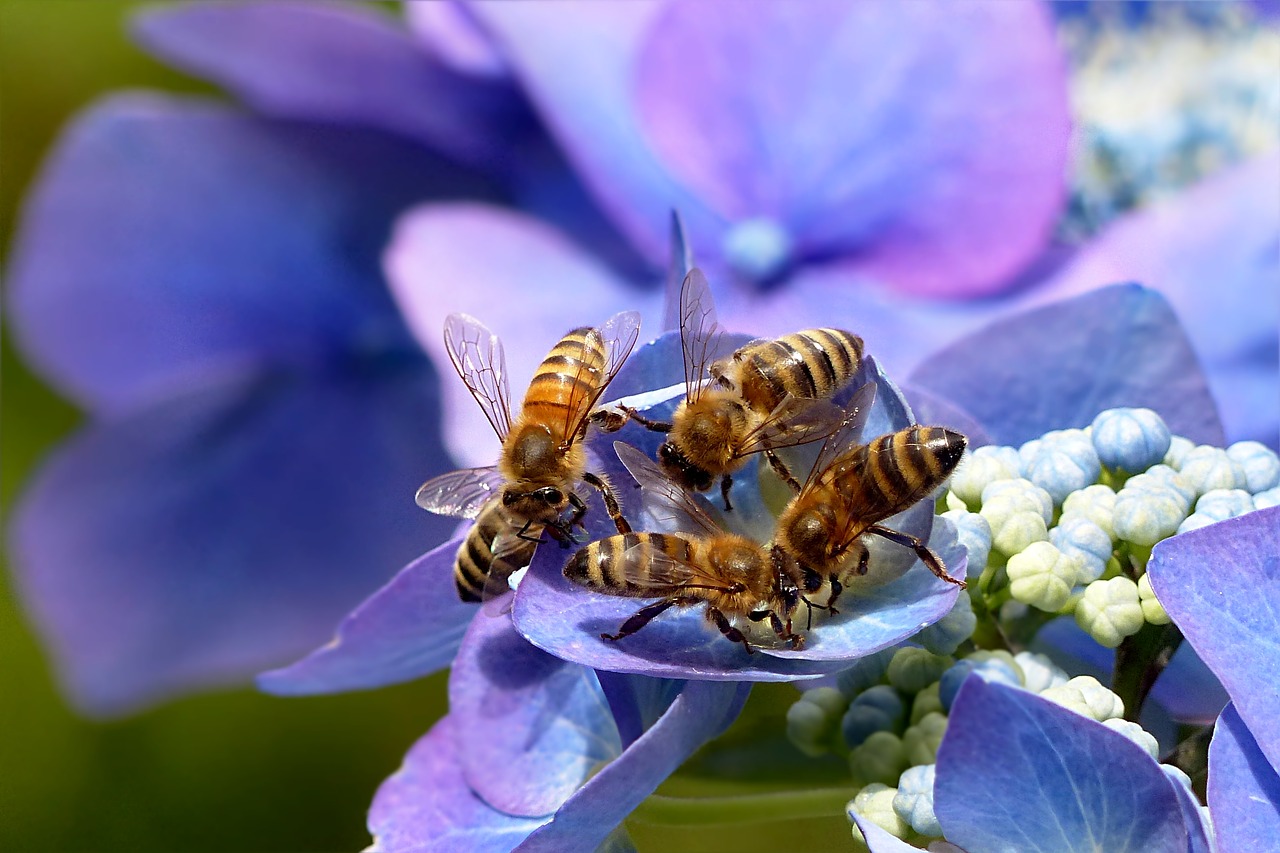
[568,378]
[813,364]
[475,556]
[894,471]
[631,564]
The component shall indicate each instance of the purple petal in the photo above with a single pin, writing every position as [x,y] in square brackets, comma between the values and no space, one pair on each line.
[167,239]
[1221,585]
[1214,252]
[868,129]
[426,805]
[636,701]
[1055,781]
[448,32]
[212,535]
[1244,790]
[525,281]
[410,628]
[701,711]
[1058,366]
[335,62]
[879,841]
[576,63]
[542,724]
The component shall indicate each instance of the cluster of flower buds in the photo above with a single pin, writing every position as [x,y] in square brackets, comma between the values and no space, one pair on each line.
[1066,522]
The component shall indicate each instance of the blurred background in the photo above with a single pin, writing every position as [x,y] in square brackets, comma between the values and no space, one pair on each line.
[241,770]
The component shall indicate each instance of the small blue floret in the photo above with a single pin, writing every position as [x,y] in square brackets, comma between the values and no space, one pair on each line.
[1130,440]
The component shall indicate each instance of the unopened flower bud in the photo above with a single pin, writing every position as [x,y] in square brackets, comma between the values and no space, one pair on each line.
[914,800]
[1152,610]
[1207,468]
[876,709]
[1144,516]
[1130,440]
[911,670]
[1043,577]
[879,758]
[1078,536]
[1260,463]
[1085,695]
[945,636]
[920,742]
[927,701]
[1038,672]
[1135,733]
[1096,503]
[974,534]
[1179,447]
[1019,494]
[978,468]
[875,803]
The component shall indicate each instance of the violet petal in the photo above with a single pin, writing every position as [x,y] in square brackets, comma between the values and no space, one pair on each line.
[1058,366]
[214,534]
[542,724]
[1244,789]
[501,267]
[1017,772]
[879,841]
[1221,585]
[169,238]
[409,628]
[868,129]
[336,62]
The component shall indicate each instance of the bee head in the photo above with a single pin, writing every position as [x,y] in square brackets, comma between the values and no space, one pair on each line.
[678,467]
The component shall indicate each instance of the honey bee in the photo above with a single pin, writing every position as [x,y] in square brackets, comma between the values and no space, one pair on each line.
[853,487]
[543,459]
[731,574]
[766,395]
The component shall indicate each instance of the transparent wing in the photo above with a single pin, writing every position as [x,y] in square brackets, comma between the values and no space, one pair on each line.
[671,503]
[510,553]
[848,434]
[617,337]
[678,267]
[664,573]
[699,331]
[461,493]
[795,421]
[478,357]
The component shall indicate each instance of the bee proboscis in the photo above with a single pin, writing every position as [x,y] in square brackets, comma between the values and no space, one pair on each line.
[767,395]
[853,487]
[543,459]
[731,574]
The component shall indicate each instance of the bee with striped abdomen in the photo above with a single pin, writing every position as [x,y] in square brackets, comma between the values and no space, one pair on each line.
[855,486]
[543,458]
[766,395]
[732,575]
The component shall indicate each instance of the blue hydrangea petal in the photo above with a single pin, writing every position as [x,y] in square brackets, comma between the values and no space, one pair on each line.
[167,239]
[546,724]
[1244,788]
[492,263]
[215,534]
[879,841]
[637,701]
[866,129]
[409,628]
[1060,365]
[427,806]
[336,62]
[1221,585]
[1077,784]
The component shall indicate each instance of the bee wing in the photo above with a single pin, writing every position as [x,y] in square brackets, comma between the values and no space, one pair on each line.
[676,504]
[699,331]
[461,493]
[678,267]
[645,567]
[478,357]
[794,421]
[510,553]
[617,337]
[847,435]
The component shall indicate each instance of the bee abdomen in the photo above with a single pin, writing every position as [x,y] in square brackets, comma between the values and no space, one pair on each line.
[907,465]
[571,371]
[623,564]
[475,556]
[814,364]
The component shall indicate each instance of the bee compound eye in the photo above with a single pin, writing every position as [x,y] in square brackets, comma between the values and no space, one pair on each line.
[552,496]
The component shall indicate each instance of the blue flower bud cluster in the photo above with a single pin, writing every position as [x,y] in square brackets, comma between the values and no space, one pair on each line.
[1066,522]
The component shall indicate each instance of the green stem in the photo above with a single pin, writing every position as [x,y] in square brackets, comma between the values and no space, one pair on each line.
[1139,661]
[745,808]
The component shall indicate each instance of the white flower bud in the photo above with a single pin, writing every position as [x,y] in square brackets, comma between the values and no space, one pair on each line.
[1043,577]
[1110,610]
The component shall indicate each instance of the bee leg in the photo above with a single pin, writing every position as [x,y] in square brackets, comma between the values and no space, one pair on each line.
[715,617]
[926,556]
[579,510]
[610,502]
[784,473]
[836,589]
[523,533]
[726,483]
[784,632]
[615,420]
[645,614]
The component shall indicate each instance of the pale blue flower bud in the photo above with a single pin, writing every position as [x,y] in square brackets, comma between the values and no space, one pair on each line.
[1135,733]
[920,742]
[1110,610]
[1162,476]
[945,636]
[1130,440]
[1077,535]
[1179,447]
[1084,695]
[1267,499]
[997,668]
[864,673]
[1152,610]
[1043,577]
[1207,468]
[911,670]
[879,758]
[1221,504]
[1195,521]
[1060,474]
[1096,503]
[975,535]
[1260,463]
[1177,774]
[876,709]
[875,803]
[980,467]
[914,800]
[1144,516]
[1022,491]
[1038,672]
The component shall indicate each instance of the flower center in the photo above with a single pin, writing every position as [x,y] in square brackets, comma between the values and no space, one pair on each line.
[758,249]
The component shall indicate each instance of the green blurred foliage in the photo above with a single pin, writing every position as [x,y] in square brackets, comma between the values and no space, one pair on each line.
[233,771]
